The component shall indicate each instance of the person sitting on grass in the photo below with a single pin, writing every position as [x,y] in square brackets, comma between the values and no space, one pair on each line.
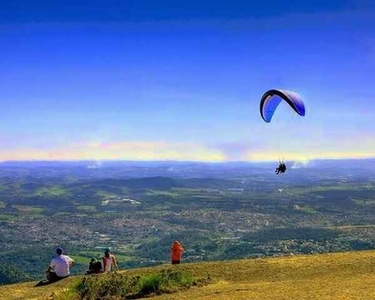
[109,261]
[95,267]
[176,253]
[59,267]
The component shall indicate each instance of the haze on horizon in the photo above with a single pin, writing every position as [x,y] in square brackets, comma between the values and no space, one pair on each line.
[166,82]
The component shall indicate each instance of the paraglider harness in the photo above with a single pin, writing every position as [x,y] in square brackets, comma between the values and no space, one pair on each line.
[281,168]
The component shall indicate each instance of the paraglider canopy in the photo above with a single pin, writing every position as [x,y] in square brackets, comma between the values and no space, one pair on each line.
[272,98]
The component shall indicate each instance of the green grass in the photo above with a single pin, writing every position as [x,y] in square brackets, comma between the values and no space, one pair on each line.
[164,282]
[87,208]
[85,257]
[123,258]
[83,260]
[53,191]
[29,209]
[2,205]
[351,227]
[8,217]
[160,208]
[213,197]
[117,285]
[335,276]
[314,189]
[363,202]
[104,194]
[307,209]
[62,214]
[162,193]
[92,254]
[182,190]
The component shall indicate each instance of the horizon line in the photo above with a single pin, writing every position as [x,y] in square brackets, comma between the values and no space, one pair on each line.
[179,161]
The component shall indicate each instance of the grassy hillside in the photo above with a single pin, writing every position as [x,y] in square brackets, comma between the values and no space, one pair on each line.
[348,275]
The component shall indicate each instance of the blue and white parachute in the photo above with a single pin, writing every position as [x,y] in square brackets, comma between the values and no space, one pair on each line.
[272,98]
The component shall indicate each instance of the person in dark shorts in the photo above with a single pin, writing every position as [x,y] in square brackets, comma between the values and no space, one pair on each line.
[60,266]
[58,269]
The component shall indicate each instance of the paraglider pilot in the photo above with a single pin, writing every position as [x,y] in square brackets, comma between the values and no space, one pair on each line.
[281,168]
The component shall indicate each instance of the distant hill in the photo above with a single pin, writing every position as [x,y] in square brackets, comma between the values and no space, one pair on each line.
[347,275]
[162,183]
[10,274]
[166,183]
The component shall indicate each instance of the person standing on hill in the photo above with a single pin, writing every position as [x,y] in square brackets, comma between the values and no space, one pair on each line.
[109,260]
[176,253]
[59,267]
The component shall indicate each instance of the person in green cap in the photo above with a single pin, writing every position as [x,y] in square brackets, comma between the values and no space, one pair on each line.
[109,261]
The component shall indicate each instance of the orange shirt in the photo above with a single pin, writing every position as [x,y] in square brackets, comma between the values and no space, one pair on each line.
[176,251]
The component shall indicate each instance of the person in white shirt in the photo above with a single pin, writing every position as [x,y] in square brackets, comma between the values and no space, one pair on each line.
[60,266]
[109,260]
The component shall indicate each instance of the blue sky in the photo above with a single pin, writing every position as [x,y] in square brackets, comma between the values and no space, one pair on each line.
[157,80]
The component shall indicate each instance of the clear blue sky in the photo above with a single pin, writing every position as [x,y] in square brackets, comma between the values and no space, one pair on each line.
[157,80]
